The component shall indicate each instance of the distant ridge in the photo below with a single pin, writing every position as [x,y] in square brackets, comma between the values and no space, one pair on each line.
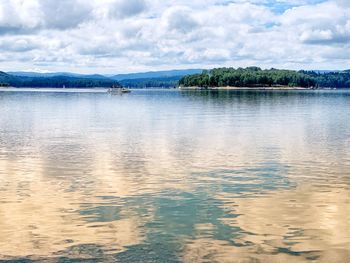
[162,82]
[162,79]
[156,79]
[39,80]
[6,78]
[54,74]
[156,74]
[130,76]
[331,71]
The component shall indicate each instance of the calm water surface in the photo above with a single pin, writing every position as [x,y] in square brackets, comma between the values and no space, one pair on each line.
[169,176]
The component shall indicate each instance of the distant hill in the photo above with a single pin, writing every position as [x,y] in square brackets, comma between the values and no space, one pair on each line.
[6,78]
[165,82]
[157,79]
[58,81]
[142,75]
[156,74]
[331,71]
[326,71]
[55,74]
[251,76]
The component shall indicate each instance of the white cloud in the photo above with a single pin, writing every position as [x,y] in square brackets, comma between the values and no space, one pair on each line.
[64,14]
[127,8]
[180,19]
[325,23]
[18,16]
[110,36]
[345,3]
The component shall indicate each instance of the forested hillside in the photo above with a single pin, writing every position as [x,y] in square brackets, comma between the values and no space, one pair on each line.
[168,82]
[219,77]
[54,82]
[256,77]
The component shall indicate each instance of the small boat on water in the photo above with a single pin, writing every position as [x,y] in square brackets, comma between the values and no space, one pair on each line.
[117,89]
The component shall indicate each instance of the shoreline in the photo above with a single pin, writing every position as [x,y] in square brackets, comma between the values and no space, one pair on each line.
[246,88]
[178,88]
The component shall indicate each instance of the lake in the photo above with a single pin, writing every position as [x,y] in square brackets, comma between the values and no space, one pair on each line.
[171,176]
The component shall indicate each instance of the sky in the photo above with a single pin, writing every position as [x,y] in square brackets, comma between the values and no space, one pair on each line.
[122,36]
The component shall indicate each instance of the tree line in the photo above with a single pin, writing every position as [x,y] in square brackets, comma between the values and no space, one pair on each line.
[331,79]
[256,77]
[86,82]
[161,82]
[54,82]
[219,77]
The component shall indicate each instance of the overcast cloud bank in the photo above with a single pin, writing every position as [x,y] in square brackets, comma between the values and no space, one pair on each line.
[111,36]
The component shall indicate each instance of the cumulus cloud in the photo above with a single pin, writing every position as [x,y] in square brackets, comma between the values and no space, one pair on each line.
[64,14]
[19,45]
[323,24]
[180,19]
[24,16]
[110,36]
[127,8]
[345,3]
[18,16]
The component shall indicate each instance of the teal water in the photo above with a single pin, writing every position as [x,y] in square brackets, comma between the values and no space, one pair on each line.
[171,176]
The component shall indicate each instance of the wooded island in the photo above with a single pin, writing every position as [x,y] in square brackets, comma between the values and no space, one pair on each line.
[255,77]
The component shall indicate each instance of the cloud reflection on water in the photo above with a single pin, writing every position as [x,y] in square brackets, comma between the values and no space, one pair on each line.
[214,177]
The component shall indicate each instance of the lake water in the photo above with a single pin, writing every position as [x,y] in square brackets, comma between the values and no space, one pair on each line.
[171,176]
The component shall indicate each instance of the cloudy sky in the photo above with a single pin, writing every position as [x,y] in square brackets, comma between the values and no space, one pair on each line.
[115,36]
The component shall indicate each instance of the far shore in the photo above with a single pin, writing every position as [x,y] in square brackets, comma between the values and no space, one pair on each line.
[246,88]
[273,88]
